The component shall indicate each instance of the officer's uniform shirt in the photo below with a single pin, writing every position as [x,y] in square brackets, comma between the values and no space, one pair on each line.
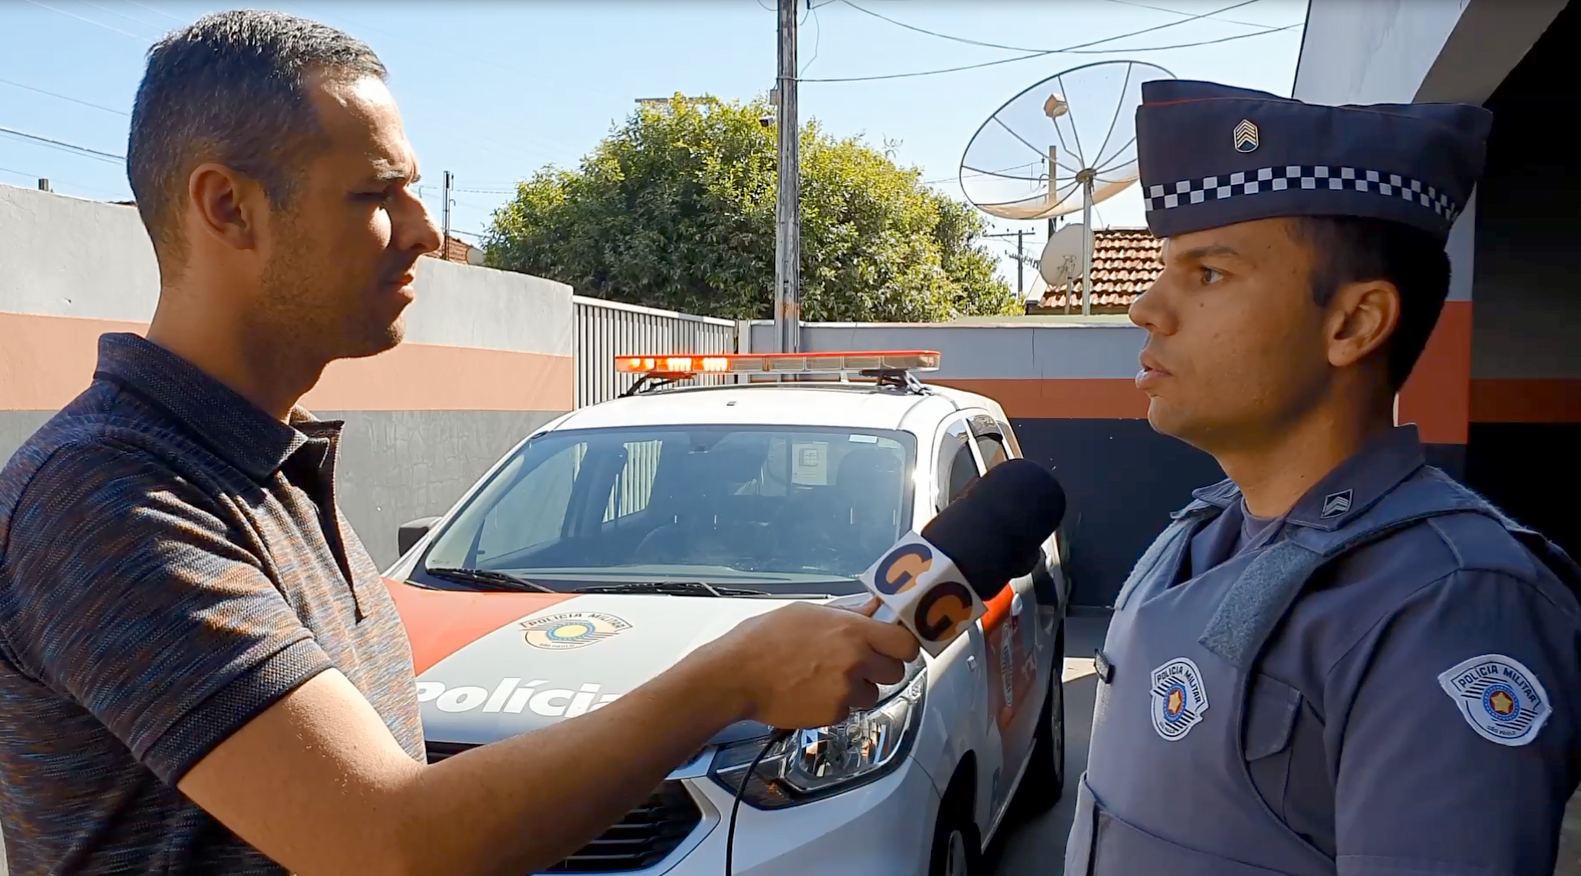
[1386,681]
[1360,760]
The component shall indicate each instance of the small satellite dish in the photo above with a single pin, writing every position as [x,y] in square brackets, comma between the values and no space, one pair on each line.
[1061,260]
[1079,127]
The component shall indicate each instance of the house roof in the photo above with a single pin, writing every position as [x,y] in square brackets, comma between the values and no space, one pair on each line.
[458,251]
[1124,265]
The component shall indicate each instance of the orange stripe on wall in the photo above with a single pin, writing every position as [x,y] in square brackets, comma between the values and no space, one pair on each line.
[431,377]
[1437,398]
[45,361]
[1054,398]
[1555,400]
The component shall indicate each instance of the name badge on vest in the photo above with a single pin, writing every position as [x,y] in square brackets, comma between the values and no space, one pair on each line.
[1179,698]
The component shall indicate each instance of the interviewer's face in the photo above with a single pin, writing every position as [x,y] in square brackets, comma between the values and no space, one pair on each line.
[343,254]
[1236,348]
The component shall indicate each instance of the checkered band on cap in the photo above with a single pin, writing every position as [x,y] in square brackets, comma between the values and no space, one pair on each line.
[1310,177]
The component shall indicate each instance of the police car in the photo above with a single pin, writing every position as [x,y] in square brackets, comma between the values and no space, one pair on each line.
[614,540]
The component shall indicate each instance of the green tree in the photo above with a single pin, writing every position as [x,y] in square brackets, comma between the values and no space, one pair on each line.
[675,209]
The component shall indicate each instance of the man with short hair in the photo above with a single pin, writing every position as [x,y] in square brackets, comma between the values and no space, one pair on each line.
[200,668]
[1338,660]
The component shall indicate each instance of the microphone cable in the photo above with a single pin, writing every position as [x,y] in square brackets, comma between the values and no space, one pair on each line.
[741,789]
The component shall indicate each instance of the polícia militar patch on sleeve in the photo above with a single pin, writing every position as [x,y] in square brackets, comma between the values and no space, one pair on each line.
[1500,698]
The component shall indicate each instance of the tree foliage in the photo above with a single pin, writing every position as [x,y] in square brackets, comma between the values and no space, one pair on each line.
[675,209]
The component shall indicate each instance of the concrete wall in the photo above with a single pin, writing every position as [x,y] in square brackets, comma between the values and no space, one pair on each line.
[488,357]
[1371,51]
[1525,360]
[1492,389]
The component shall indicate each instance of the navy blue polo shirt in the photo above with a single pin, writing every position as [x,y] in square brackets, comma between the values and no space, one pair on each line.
[172,563]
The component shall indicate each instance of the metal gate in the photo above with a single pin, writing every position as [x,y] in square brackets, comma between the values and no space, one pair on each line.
[606,329]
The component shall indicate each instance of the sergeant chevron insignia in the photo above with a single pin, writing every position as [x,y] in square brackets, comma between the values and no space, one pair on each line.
[1246,135]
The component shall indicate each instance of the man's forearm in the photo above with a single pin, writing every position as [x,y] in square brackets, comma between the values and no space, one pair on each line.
[523,804]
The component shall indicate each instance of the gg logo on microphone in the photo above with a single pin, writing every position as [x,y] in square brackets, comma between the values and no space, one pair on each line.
[943,611]
[900,571]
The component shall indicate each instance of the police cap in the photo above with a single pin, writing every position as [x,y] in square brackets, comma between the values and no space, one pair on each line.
[1212,155]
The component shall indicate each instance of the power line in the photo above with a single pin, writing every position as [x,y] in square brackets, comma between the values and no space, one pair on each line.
[64,97]
[1058,52]
[972,42]
[1228,39]
[61,144]
[157,12]
[117,14]
[53,180]
[134,36]
[1171,12]
[817,35]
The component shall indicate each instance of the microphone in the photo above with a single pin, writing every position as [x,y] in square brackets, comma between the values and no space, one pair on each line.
[935,583]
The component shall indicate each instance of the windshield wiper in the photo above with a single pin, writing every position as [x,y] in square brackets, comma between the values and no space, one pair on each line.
[486,576]
[672,588]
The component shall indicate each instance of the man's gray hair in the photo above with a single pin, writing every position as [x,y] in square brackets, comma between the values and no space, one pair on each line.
[231,88]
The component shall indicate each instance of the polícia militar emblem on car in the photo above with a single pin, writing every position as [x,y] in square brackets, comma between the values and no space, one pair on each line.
[577,629]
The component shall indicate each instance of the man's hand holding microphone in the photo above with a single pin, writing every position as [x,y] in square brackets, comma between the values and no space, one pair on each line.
[925,591]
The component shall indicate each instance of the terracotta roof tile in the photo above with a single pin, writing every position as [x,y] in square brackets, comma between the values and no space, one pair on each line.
[1124,265]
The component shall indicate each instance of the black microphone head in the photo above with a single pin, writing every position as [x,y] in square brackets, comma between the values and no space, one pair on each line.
[993,531]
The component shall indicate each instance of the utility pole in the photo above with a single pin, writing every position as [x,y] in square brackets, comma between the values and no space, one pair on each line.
[1021,260]
[446,244]
[787,225]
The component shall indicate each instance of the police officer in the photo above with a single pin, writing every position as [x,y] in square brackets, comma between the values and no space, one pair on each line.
[1338,660]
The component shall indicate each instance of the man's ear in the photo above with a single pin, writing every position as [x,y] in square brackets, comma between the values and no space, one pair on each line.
[1361,319]
[224,206]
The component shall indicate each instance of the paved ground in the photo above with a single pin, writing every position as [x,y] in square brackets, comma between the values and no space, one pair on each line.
[1037,847]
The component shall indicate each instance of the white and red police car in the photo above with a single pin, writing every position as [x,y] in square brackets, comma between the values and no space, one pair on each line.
[612,541]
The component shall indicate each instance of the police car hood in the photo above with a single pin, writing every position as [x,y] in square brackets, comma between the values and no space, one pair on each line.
[491,665]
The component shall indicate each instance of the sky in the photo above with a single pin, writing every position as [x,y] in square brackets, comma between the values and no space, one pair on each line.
[494,91]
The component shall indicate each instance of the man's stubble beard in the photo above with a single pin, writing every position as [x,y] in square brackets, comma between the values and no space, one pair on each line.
[302,319]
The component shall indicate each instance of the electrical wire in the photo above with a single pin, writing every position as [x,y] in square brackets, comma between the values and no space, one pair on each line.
[61,144]
[35,176]
[1228,39]
[117,14]
[971,42]
[1171,12]
[156,11]
[64,97]
[1056,52]
[817,36]
[134,36]
[741,789]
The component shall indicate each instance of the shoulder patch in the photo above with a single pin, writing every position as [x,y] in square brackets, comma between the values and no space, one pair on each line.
[1500,698]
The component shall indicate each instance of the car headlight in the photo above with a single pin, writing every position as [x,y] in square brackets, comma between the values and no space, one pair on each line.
[813,764]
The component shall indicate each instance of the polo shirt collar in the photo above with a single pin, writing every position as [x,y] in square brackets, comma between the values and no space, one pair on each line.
[236,429]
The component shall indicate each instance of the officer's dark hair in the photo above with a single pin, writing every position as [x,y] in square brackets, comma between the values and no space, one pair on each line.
[232,88]
[1348,249]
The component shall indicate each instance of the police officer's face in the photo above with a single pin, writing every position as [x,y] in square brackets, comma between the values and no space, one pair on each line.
[1237,347]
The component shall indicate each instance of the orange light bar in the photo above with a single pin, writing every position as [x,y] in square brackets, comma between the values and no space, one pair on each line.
[782,363]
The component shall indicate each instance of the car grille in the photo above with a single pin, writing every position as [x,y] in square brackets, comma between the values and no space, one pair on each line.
[642,839]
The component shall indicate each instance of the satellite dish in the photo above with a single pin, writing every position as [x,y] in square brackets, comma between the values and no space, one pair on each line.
[1063,145]
[1061,260]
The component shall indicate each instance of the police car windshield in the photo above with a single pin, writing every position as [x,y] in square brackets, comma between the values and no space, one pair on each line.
[780,509]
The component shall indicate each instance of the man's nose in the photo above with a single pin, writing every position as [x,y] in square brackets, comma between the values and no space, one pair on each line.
[1151,311]
[419,230]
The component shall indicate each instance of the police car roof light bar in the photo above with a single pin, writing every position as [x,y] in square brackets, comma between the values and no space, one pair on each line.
[781,363]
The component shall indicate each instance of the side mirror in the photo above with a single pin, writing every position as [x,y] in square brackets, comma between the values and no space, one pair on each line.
[412,532]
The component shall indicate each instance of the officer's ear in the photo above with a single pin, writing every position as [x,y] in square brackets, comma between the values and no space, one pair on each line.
[1361,318]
